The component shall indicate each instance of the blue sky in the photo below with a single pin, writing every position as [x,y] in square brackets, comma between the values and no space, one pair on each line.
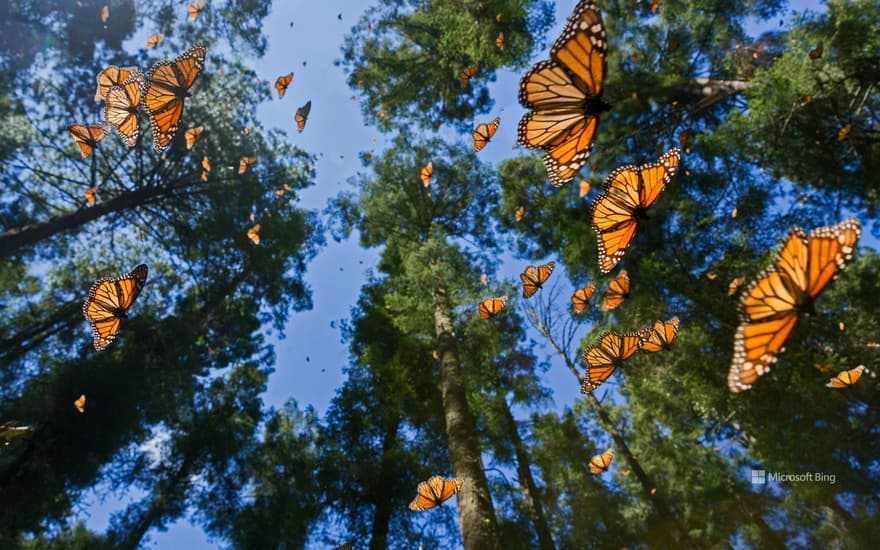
[311,356]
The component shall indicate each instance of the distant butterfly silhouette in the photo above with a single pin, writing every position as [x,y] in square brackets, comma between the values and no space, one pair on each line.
[600,463]
[168,84]
[772,303]
[426,174]
[466,74]
[564,95]
[195,8]
[154,40]
[282,83]
[499,41]
[108,302]
[491,306]
[629,192]
[604,357]
[534,277]
[87,137]
[192,135]
[80,403]
[244,163]
[302,115]
[434,492]
[254,234]
[484,132]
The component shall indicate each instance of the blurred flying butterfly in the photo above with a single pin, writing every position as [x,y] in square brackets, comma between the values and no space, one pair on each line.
[282,83]
[434,492]
[483,133]
[499,41]
[772,303]
[154,40]
[534,277]
[108,303]
[659,337]
[302,115]
[206,164]
[734,285]
[105,13]
[168,84]
[582,296]
[604,357]
[426,174]
[584,188]
[618,291]
[112,76]
[195,8]
[491,306]
[244,163]
[520,212]
[87,137]
[254,234]
[91,195]
[846,378]
[629,192]
[80,403]
[192,135]
[600,463]
[564,95]
[466,74]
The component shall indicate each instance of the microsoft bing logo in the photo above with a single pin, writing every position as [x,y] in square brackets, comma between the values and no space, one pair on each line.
[759,477]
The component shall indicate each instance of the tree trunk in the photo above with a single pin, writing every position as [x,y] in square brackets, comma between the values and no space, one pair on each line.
[527,482]
[479,529]
[384,504]
[17,237]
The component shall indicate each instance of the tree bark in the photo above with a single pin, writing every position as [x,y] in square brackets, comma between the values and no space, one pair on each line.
[527,481]
[384,504]
[18,237]
[479,529]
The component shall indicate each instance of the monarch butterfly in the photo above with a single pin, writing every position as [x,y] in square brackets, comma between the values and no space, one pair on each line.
[466,74]
[660,337]
[192,135]
[434,492]
[564,95]
[520,212]
[629,192]
[618,291]
[302,114]
[655,5]
[168,84]
[206,164]
[534,277]
[846,378]
[122,108]
[499,41]
[426,174]
[585,188]
[204,176]
[823,368]
[105,13]
[195,8]
[254,234]
[844,132]
[770,306]
[625,473]
[817,52]
[244,163]
[582,296]
[113,76]
[282,83]
[108,302]
[484,279]
[154,40]
[91,195]
[80,403]
[605,356]
[600,463]
[491,306]
[87,137]
[734,285]
[483,133]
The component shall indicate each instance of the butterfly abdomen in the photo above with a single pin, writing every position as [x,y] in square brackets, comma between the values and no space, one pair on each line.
[593,105]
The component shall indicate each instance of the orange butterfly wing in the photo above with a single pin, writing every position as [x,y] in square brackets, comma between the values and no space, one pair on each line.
[770,306]
[629,192]
[168,84]
[483,133]
[605,356]
[582,296]
[302,115]
[618,291]
[282,83]
[121,110]
[846,378]
[660,337]
[491,306]
[534,277]
[600,463]
[434,492]
[192,135]
[195,8]
[113,76]
[87,137]
[426,174]
[108,301]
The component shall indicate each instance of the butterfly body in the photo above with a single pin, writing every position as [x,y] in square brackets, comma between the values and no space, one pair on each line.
[108,303]
[434,492]
[534,277]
